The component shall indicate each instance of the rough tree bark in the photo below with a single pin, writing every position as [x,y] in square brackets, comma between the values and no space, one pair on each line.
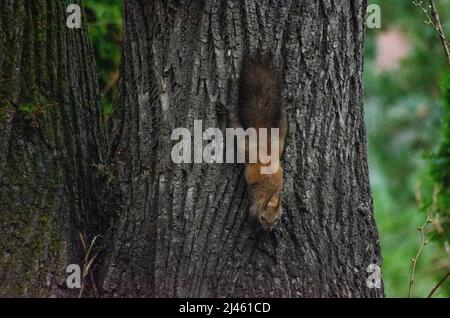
[50,140]
[181,230]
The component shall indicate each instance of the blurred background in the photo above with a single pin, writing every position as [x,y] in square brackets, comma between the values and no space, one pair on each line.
[407,108]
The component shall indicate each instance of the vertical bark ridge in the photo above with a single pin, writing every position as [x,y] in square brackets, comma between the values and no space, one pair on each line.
[51,136]
[183,229]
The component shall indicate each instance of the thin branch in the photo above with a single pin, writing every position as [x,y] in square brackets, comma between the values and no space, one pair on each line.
[434,20]
[438,285]
[415,259]
[437,22]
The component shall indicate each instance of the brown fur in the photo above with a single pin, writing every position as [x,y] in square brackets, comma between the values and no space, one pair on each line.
[260,107]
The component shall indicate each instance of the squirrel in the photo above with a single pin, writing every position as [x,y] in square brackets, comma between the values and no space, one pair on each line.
[259,106]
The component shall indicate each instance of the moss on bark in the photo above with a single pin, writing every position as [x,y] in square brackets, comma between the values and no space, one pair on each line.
[50,139]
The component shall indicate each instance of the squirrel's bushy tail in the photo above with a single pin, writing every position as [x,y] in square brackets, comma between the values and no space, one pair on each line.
[258,93]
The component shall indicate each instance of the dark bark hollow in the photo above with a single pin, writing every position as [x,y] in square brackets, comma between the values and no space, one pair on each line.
[50,142]
[182,230]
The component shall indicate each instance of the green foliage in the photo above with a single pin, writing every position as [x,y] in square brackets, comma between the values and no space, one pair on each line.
[400,241]
[403,117]
[106,32]
[440,167]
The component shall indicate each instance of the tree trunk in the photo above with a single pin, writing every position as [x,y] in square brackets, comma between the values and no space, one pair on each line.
[182,230]
[50,140]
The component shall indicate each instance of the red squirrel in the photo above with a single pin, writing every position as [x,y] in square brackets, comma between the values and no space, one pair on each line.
[260,107]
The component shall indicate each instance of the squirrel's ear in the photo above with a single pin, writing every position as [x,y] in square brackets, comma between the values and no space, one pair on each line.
[266,203]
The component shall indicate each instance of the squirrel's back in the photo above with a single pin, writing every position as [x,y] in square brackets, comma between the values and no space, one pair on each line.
[259,105]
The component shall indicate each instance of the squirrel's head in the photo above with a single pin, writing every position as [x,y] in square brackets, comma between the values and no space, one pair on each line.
[269,211]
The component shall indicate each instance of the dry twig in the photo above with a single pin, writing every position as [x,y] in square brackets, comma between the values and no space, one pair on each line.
[438,285]
[433,19]
[415,259]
